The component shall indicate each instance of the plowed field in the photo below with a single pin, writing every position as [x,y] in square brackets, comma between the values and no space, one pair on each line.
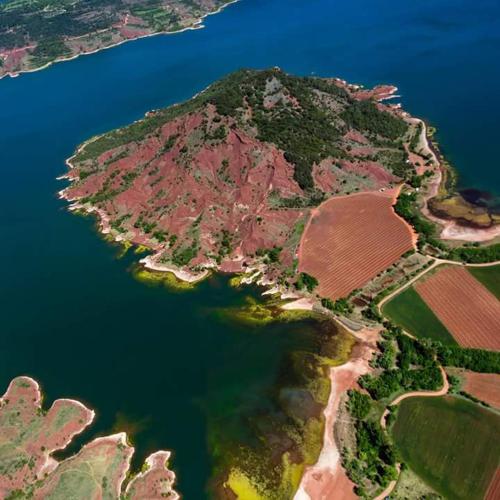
[493,492]
[350,239]
[465,307]
[483,386]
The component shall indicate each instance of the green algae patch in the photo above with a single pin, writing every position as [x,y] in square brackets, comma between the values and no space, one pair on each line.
[313,440]
[236,281]
[284,422]
[242,486]
[123,247]
[292,474]
[254,312]
[162,278]
[141,249]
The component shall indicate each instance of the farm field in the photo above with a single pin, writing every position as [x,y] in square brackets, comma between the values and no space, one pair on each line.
[468,310]
[350,239]
[483,386]
[489,277]
[435,439]
[493,492]
[409,311]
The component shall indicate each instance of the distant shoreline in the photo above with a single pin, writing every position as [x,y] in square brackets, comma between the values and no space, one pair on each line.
[197,25]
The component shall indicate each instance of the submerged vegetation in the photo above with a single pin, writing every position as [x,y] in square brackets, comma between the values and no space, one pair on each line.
[285,432]
[157,278]
[254,312]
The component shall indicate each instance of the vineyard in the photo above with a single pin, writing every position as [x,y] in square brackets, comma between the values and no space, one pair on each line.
[351,239]
[465,307]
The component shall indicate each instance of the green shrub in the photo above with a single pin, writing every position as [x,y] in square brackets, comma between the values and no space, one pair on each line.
[306,281]
[359,404]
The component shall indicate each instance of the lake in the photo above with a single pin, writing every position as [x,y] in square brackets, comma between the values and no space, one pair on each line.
[164,365]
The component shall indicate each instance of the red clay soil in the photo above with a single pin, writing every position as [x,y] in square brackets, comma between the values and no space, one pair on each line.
[206,191]
[36,434]
[350,239]
[469,311]
[379,93]
[156,483]
[29,435]
[234,198]
[483,386]
[493,492]
[105,459]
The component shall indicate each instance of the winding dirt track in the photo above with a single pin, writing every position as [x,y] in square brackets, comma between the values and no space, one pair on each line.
[440,392]
[406,395]
[468,310]
[350,239]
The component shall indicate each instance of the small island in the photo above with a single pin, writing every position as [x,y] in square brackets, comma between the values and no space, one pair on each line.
[35,34]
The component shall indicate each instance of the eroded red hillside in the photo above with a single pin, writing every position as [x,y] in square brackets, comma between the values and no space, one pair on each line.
[227,179]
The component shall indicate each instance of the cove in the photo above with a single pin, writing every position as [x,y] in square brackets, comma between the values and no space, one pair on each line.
[162,365]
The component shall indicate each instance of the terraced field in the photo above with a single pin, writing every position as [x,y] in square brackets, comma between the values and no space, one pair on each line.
[350,239]
[435,439]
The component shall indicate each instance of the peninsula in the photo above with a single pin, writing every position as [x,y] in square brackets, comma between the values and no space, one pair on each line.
[29,435]
[35,34]
[322,192]
[229,180]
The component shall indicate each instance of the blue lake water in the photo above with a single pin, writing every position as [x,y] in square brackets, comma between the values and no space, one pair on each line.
[71,314]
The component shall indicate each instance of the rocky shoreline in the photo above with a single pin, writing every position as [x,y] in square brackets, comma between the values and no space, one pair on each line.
[38,434]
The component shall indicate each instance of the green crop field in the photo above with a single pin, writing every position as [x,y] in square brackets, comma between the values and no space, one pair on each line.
[408,310]
[489,277]
[452,444]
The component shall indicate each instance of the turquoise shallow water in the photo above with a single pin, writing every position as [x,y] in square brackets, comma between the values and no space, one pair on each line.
[71,314]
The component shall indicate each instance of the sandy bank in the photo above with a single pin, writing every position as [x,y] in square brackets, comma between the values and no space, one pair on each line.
[449,229]
[303,304]
[180,274]
[326,479]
